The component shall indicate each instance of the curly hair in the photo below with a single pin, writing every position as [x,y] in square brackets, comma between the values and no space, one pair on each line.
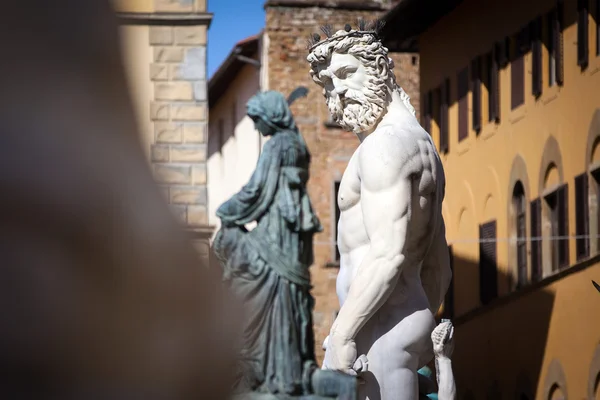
[366,48]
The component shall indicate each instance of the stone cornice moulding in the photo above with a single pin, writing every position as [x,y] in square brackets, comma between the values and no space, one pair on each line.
[165,18]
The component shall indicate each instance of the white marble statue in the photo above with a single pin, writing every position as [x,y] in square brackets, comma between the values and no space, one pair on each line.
[443,346]
[394,269]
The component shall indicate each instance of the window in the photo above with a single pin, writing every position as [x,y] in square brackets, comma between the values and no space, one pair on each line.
[449,300]
[555,44]
[582,216]
[336,191]
[536,240]
[444,103]
[476,93]
[463,103]
[596,182]
[488,268]
[427,111]
[519,205]
[221,137]
[517,73]
[582,33]
[559,227]
[536,57]
[597,18]
[491,80]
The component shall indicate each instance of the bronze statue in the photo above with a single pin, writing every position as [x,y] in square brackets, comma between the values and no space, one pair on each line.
[267,267]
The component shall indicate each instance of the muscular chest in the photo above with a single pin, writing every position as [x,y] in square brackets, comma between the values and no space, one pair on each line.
[349,191]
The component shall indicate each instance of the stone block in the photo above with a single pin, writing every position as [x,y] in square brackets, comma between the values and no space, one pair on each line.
[167,132]
[197,215]
[168,54]
[173,91]
[161,35]
[159,111]
[190,35]
[188,153]
[194,132]
[159,72]
[180,213]
[188,195]
[200,90]
[174,5]
[193,67]
[188,112]
[174,174]
[160,153]
[199,174]
[164,191]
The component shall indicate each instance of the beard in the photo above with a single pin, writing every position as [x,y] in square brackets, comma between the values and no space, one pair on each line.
[359,110]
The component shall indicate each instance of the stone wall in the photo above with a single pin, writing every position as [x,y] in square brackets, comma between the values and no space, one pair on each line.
[178,107]
[288,25]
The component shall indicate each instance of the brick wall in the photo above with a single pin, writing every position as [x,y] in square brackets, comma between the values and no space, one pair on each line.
[288,24]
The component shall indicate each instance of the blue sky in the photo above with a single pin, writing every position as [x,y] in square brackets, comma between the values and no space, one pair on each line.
[233,21]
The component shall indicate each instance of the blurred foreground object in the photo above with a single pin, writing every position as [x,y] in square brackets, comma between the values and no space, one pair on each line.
[102,295]
[267,267]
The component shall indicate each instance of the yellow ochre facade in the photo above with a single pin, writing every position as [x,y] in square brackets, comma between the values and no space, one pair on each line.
[520,144]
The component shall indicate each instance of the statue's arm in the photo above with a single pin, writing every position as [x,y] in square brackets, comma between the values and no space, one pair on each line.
[386,192]
[443,346]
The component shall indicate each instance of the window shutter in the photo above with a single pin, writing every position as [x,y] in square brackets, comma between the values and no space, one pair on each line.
[502,50]
[517,75]
[494,97]
[597,19]
[444,102]
[582,216]
[427,111]
[563,225]
[476,93]
[582,33]
[536,243]
[558,42]
[488,269]
[536,59]
[449,300]
[463,103]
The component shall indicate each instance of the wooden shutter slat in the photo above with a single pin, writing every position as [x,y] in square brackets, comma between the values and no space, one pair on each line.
[536,60]
[582,34]
[449,299]
[494,105]
[563,225]
[536,245]
[463,103]
[427,111]
[488,268]
[444,102]
[582,216]
[476,94]
[558,42]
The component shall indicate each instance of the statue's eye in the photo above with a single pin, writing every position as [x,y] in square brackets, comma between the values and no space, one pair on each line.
[346,72]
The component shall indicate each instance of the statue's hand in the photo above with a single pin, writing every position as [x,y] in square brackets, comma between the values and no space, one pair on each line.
[340,354]
[442,338]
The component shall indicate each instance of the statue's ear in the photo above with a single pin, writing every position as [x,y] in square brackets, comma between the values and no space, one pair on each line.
[383,66]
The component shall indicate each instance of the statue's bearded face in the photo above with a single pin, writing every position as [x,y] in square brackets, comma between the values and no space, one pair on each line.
[356,96]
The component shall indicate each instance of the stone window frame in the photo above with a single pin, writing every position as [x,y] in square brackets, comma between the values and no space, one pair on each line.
[524,387]
[518,174]
[555,378]
[593,141]
[551,158]
[594,374]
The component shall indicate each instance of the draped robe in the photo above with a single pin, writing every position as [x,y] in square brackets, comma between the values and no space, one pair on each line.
[267,267]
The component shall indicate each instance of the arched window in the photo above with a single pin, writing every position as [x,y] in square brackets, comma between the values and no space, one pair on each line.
[519,207]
